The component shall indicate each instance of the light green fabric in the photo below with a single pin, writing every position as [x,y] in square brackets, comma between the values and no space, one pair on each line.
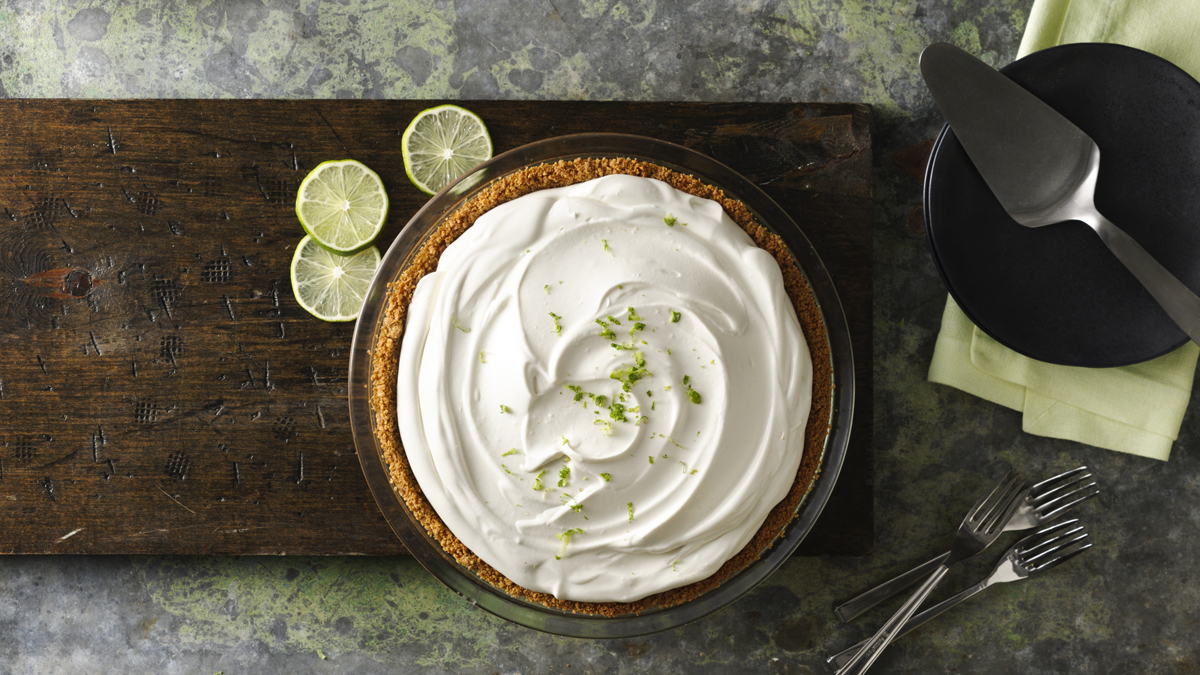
[1168,28]
[1136,409]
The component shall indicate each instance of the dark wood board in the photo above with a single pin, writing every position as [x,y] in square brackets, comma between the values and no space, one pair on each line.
[161,391]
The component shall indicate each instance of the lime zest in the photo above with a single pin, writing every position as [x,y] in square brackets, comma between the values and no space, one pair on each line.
[630,375]
[617,412]
[606,333]
[565,538]
[576,507]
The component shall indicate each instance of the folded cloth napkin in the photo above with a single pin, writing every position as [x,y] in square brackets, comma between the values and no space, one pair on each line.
[1136,409]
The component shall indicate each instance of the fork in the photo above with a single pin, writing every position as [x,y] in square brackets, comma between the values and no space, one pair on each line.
[1047,548]
[1045,501]
[981,527]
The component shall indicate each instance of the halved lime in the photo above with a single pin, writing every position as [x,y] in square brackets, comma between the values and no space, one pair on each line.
[342,205]
[443,143]
[331,286]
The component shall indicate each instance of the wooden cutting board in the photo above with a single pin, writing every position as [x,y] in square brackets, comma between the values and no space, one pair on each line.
[162,392]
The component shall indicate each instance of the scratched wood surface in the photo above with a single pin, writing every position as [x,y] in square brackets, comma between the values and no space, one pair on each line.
[160,389]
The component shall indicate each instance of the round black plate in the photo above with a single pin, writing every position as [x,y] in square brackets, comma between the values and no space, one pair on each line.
[1056,293]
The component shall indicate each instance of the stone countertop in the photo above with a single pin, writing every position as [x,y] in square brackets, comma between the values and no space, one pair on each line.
[1126,606]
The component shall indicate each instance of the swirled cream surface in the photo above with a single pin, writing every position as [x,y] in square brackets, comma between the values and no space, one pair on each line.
[603,389]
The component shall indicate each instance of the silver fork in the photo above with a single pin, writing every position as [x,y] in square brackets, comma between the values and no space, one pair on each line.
[1045,501]
[980,528]
[1049,547]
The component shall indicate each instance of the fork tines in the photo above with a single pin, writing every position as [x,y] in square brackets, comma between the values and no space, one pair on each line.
[1056,495]
[1038,488]
[990,514]
[1052,545]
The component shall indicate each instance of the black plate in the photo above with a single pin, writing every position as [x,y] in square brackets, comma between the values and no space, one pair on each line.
[1056,293]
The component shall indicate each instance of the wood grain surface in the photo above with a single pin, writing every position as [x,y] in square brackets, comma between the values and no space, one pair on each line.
[161,391]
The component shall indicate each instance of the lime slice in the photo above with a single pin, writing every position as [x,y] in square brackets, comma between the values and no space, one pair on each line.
[331,286]
[342,204]
[443,143]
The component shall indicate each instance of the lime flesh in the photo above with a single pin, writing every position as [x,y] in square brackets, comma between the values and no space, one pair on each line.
[330,286]
[443,143]
[342,204]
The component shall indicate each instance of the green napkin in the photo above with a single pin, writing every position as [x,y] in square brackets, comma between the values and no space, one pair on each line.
[1135,409]
[1168,28]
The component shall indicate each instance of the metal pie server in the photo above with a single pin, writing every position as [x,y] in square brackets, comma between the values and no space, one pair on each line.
[1039,165]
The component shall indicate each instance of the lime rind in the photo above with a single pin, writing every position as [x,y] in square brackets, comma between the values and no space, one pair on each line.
[330,286]
[342,204]
[443,143]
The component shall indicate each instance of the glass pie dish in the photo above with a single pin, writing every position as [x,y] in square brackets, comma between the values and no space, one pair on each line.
[364,422]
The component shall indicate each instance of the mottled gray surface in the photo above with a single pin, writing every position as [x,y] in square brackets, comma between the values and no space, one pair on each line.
[1129,606]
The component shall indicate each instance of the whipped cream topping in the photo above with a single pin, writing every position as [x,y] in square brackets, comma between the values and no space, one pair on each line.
[603,389]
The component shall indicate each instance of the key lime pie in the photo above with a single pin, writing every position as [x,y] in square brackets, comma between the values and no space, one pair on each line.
[594,388]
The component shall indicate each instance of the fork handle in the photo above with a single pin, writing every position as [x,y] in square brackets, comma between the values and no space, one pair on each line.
[854,608]
[841,658]
[892,629]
